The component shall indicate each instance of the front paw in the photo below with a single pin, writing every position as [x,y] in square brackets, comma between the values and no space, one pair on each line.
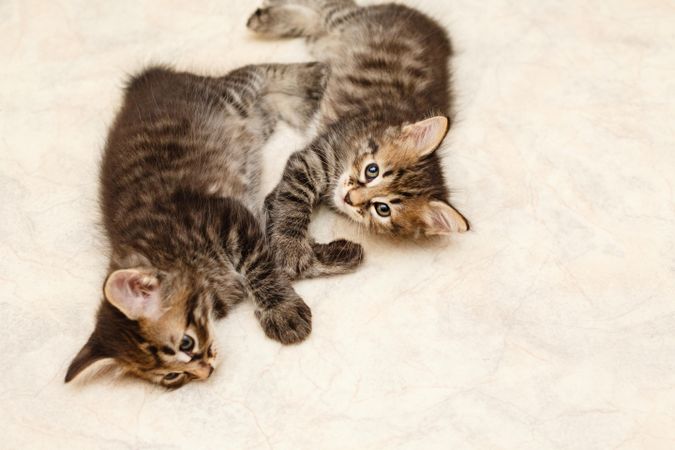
[288,322]
[336,257]
[294,256]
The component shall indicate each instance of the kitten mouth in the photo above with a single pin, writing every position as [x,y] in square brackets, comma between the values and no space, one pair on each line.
[347,200]
[353,213]
[341,200]
[342,204]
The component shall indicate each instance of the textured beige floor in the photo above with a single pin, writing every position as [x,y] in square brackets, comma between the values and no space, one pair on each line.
[550,325]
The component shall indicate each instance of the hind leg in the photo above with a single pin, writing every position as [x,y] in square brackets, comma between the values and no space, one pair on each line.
[290,92]
[295,92]
[256,98]
[296,18]
[285,21]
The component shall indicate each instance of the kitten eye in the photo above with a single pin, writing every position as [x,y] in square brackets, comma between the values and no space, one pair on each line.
[187,343]
[171,376]
[383,210]
[372,171]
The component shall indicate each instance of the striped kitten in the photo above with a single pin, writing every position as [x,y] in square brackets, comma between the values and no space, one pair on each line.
[179,184]
[385,112]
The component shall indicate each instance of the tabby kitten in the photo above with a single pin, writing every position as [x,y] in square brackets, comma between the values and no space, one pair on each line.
[385,111]
[179,185]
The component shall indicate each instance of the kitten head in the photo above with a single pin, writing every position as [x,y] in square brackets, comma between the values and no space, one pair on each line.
[395,184]
[154,325]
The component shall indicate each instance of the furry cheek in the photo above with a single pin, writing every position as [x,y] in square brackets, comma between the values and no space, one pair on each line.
[340,191]
[381,225]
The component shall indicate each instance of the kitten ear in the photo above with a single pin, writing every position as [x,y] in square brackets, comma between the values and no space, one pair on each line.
[425,136]
[89,354]
[135,293]
[442,219]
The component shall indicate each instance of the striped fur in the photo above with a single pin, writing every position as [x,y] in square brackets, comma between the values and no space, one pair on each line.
[179,196]
[387,103]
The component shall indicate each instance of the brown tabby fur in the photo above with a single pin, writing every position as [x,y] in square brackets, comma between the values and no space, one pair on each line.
[389,72]
[179,196]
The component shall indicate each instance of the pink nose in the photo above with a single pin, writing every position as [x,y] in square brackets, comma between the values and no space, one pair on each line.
[348,200]
[203,371]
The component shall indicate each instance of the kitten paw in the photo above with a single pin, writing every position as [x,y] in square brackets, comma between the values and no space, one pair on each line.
[314,78]
[270,21]
[258,19]
[277,20]
[304,259]
[294,257]
[289,322]
[296,90]
[336,257]
[312,81]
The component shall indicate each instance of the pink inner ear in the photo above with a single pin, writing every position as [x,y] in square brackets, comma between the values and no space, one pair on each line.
[139,288]
[440,224]
[420,133]
[427,135]
[440,221]
[444,219]
[122,287]
[134,293]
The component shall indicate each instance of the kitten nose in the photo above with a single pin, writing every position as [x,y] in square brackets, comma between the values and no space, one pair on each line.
[203,371]
[348,200]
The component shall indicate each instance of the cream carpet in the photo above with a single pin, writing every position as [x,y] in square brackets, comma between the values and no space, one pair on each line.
[550,325]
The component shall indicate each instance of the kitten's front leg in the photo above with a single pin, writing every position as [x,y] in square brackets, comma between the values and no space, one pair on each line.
[289,208]
[294,256]
[283,315]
